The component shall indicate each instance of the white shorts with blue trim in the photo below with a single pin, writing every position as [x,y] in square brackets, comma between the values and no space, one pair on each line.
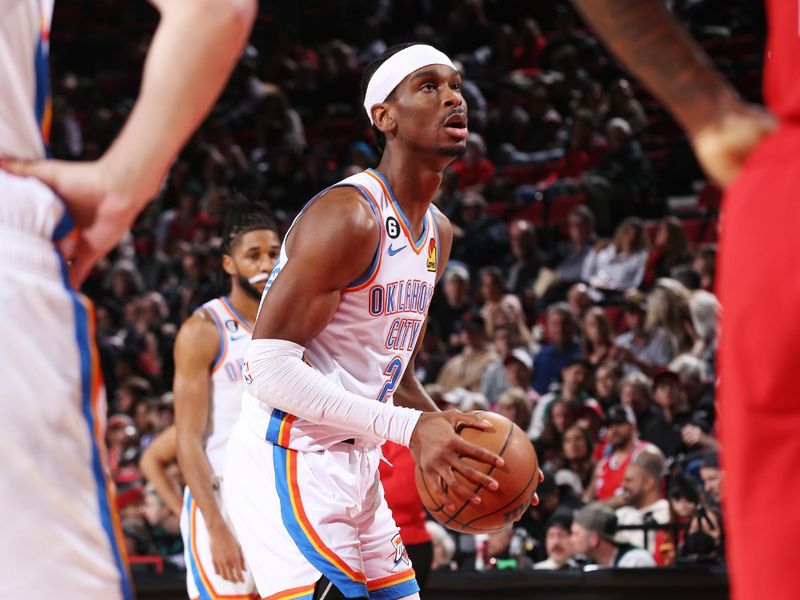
[300,515]
[61,536]
[201,580]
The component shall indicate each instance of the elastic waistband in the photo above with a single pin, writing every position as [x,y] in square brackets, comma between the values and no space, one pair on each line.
[25,252]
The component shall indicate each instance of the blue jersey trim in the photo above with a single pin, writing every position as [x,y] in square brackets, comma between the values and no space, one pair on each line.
[377,257]
[400,212]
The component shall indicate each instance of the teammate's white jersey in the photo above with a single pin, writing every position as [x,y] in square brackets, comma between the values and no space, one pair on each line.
[24,77]
[369,342]
[226,378]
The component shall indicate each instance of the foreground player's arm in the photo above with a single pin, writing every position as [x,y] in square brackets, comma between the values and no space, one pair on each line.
[196,348]
[410,391]
[332,245]
[161,453]
[652,45]
[194,49]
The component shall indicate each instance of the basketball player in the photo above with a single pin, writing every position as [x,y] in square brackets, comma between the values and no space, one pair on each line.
[759,407]
[329,374]
[209,352]
[61,537]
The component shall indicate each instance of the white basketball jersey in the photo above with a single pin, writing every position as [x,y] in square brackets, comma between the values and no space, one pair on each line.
[25,110]
[369,342]
[226,378]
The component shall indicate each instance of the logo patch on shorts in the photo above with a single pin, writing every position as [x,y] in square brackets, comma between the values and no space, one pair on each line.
[399,554]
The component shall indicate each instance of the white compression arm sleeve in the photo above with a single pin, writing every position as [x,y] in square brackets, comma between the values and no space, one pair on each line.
[276,374]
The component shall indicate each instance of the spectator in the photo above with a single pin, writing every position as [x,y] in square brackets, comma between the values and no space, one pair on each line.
[575,377]
[704,309]
[624,446]
[577,449]
[684,498]
[572,253]
[668,308]
[558,543]
[670,250]
[641,347]
[522,267]
[705,263]
[498,376]
[606,383]
[622,184]
[444,548]
[598,337]
[698,387]
[560,348]
[579,299]
[515,405]
[466,368]
[643,488]
[560,415]
[677,432]
[449,307]
[705,538]
[621,264]
[622,105]
[593,529]
[474,170]
[478,239]
[712,477]
[500,308]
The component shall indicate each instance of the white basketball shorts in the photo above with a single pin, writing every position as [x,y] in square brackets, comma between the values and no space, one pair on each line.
[302,514]
[201,580]
[61,536]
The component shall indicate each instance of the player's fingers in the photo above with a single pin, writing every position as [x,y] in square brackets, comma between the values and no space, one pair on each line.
[458,489]
[541,476]
[535,499]
[436,490]
[465,448]
[470,419]
[43,170]
[218,568]
[471,473]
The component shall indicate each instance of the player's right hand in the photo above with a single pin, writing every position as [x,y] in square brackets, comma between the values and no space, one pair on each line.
[226,554]
[101,211]
[723,146]
[438,450]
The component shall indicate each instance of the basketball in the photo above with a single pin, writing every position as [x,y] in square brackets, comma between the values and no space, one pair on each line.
[517,480]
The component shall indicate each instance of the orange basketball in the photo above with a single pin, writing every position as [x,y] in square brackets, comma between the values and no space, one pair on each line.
[517,480]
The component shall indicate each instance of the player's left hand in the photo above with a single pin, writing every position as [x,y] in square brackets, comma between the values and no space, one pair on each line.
[101,211]
[723,146]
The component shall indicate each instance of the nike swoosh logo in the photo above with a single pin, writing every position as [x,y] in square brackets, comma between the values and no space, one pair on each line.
[392,251]
[237,338]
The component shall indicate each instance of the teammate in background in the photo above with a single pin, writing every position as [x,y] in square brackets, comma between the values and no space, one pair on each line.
[209,352]
[759,410]
[329,374]
[52,399]
[160,454]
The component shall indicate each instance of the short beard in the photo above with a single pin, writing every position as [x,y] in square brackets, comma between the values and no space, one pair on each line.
[247,287]
[452,151]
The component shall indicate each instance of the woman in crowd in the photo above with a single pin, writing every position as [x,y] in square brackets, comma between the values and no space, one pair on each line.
[621,264]
[598,337]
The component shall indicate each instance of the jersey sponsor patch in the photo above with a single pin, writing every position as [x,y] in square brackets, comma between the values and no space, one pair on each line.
[432,256]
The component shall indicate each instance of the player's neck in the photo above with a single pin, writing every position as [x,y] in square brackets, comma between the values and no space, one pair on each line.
[244,304]
[414,183]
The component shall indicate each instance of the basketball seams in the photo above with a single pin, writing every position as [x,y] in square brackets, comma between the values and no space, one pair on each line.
[489,472]
[514,499]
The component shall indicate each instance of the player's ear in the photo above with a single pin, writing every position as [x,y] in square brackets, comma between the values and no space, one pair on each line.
[227,264]
[383,117]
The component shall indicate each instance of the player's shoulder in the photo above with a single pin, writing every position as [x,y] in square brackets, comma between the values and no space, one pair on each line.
[342,211]
[198,334]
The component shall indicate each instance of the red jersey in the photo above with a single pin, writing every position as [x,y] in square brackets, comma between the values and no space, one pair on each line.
[610,472]
[401,494]
[781,84]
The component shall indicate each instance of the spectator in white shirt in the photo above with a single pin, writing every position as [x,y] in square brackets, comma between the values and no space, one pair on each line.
[643,485]
[621,264]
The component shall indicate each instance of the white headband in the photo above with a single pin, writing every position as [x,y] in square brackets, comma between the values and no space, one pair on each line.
[396,68]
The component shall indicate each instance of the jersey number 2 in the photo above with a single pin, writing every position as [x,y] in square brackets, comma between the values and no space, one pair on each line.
[392,370]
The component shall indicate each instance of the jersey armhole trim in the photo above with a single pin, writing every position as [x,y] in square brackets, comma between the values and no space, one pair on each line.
[223,339]
[369,276]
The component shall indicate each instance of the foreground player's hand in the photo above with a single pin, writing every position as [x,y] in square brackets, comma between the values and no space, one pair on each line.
[226,554]
[723,146]
[101,210]
[438,449]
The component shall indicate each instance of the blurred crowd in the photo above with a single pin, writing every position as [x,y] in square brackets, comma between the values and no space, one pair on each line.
[579,299]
